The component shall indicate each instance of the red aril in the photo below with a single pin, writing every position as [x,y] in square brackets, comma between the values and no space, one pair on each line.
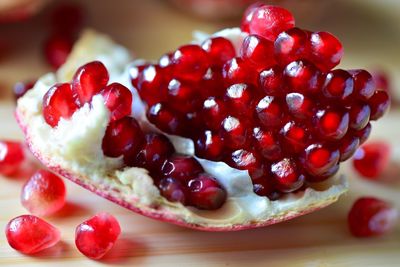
[291,45]
[379,104]
[173,190]
[209,145]
[182,168]
[151,84]
[12,156]
[258,51]
[326,50]
[57,48]
[303,77]
[118,99]
[287,177]
[219,50]
[372,159]
[271,81]
[237,70]
[206,192]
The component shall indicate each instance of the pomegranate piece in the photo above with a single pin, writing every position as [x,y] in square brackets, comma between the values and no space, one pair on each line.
[96,236]
[29,234]
[219,50]
[182,168]
[89,80]
[370,216]
[206,192]
[372,159]
[59,102]
[57,48]
[326,50]
[118,99]
[12,156]
[20,88]
[43,194]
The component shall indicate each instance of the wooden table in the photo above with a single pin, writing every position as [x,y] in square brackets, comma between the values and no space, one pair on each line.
[371,37]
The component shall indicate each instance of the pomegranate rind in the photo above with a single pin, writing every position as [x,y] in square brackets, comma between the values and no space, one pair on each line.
[293,205]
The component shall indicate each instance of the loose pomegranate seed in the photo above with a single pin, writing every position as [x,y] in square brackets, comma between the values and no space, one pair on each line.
[359,116]
[382,80]
[319,162]
[166,119]
[135,72]
[291,45]
[190,63]
[303,77]
[206,192]
[243,160]
[219,50]
[258,51]
[57,49]
[271,81]
[122,138]
[295,137]
[286,177]
[269,111]
[372,159]
[364,85]
[89,80]
[239,98]
[214,112]
[43,194]
[173,190]
[118,99]
[181,97]
[20,88]
[364,133]
[268,21]
[332,123]
[96,236]
[182,168]
[237,70]
[326,50]
[12,155]
[152,86]
[338,84]
[370,216]
[234,132]
[300,106]
[379,104]
[59,102]
[209,146]
[267,144]
[29,234]
[348,147]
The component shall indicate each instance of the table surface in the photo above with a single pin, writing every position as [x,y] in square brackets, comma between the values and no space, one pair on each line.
[371,37]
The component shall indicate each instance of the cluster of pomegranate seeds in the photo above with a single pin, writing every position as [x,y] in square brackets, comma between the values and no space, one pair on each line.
[30,234]
[96,236]
[277,109]
[43,194]
[371,217]
[12,155]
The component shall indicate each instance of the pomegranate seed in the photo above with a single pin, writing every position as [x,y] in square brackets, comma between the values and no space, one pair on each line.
[364,133]
[370,216]
[269,111]
[89,80]
[118,99]
[190,63]
[206,192]
[303,77]
[237,70]
[234,132]
[286,177]
[166,119]
[382,80]
[264,186]
[295,137]
[67,19]
[359,116]
[182,168]
[326,50]
[219,50]
[291,45]
[248,16]
[258,51]
[338,84]
[57,49]
[300,106]
[134,74]
[43,194]
[122,138]
[209,146]
[379,104]
[152,86]
[271,81]
[214,111]
[181,97]
[364,85]
[173,190]
[96,236]
[267,144]
[239,98]
[59,102]
[243,160]
[332,123]
[12,156]
[212,84]
[29,234]
[348,147]
[372,159]
[268,21]
[20,88]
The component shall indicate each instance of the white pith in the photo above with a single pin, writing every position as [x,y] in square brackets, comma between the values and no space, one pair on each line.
[75,145]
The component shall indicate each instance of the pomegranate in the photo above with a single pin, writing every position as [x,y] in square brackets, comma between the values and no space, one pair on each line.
[212,135]
[12,156]
[372,159]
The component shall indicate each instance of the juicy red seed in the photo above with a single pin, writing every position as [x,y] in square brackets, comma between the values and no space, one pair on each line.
[286,176]
[267,144]
[364,85]
[371,217]
[67,19]
[213,112]
[265,186]
[182,168]
[173,190]
[43,194]
[12,156]
[359,116]
[152,86]
[219,50]
[134,74]
[372,159]
[59,102]
[326,50]
[209,146]
[319,161]
[156,149]
[190,63]
[379,104]
[118,99]
[239,98]
[291,45]
[268,21]
[348,147]
[96,236]
[332,124]
[206,193]
[248,16]
[364,133]
[338,85]
[57,49]
[20,88]
[243,160]
[300,106]
[269,111]
[234,132]
[271,81]
[182,97]
[166,119]
[258,51]
[89,80]
[295,137]
[212,84]
[237,70]
[29,234]
[303,77]
[122,138]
